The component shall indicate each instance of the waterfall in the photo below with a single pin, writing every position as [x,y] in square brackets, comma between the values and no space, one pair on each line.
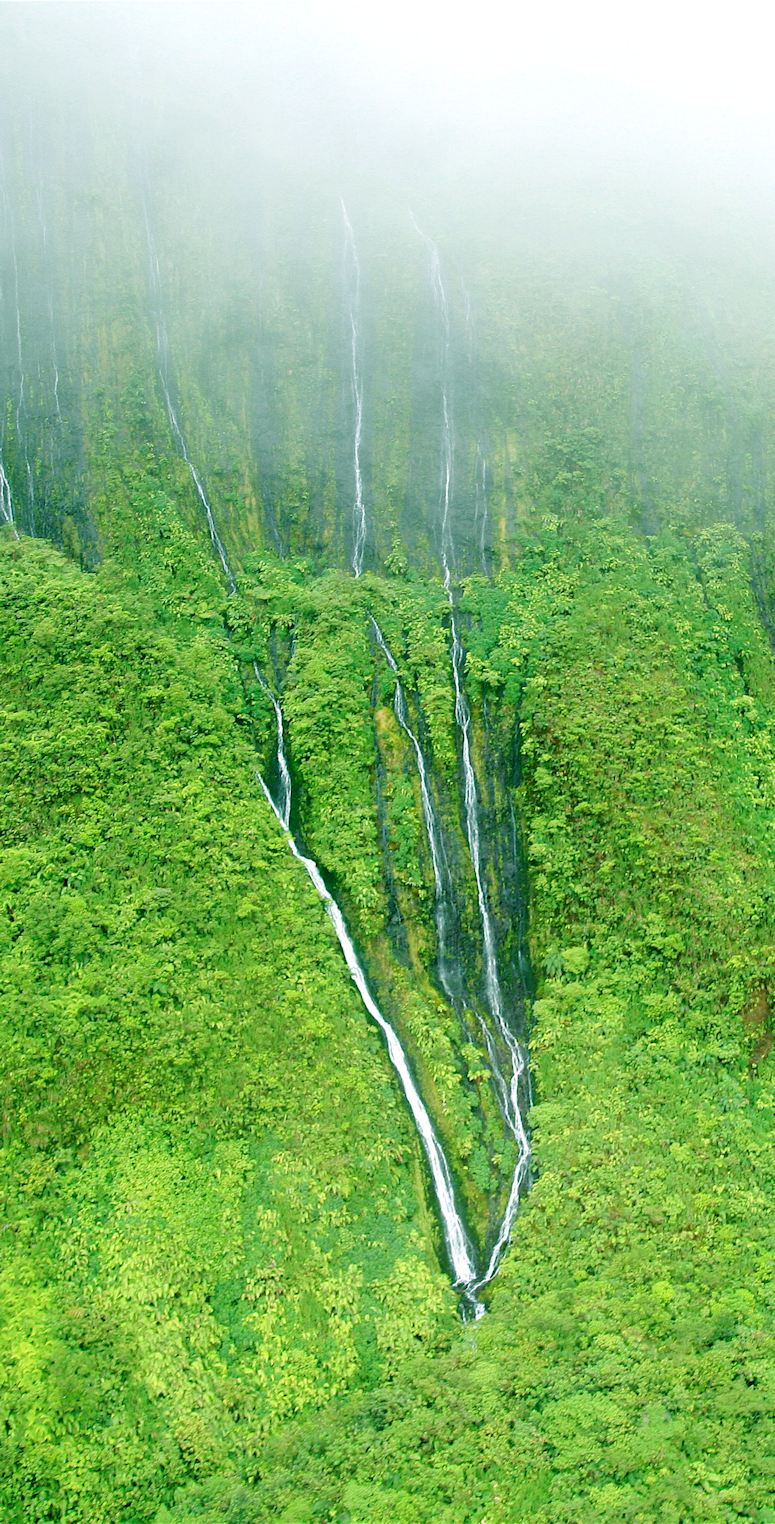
[6,501]
[20,402]
[459,1250]
[498,1035]
[455,1236]
[283,808]
[353,278]
[509,1091]
[451,983]
[51,323]
[21,441]
[162,357]
[6,496]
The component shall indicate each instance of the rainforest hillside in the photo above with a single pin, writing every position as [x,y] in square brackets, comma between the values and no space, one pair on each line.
[387,738]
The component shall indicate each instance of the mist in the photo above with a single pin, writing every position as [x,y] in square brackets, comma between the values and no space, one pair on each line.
[674,94]
[580,174]
[387,762]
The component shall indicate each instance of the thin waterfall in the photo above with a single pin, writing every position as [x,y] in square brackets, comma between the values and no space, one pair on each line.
[455,1237]
[353,283]
[441,873]
[509,1090]
[6,496]
[51,323]
[283,808]
[6,500]
[162,356]
[499,1035]
[21,432]
[458,1246]
[451,982]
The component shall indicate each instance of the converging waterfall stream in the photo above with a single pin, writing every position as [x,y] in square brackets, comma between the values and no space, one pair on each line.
[508,1061]
[455,1236]
[450,979]
[6,500]
[502,1046]
[508,1084]
[458,1246]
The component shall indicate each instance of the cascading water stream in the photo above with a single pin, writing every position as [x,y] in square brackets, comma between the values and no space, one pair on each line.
[20,396]
[51,323]
[508,1088]
[441,873]
[6,496]
[451,981]
[162,356]
[353,279]
[509,1091]
[6,501]
[456,1239]
[458,1246]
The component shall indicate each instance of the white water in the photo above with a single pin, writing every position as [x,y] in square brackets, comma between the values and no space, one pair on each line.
[455,1237]
[51,323]
[6,501]
[6,496]
[162,354]
[509,1092]
[283,809]
[353,275]
[5,490]
[441,875]
[508,1089]
[21,434]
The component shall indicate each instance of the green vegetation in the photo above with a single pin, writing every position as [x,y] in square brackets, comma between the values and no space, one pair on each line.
[213,1213]
[223,1293]
[625,1371]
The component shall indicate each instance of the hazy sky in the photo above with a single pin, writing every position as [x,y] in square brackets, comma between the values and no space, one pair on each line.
[681,86]
[714,56]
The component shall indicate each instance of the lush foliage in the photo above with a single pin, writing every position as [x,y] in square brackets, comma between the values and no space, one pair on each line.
[222,1286]
[212,1215]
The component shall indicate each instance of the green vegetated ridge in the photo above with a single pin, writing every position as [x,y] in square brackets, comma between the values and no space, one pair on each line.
[224,1293]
